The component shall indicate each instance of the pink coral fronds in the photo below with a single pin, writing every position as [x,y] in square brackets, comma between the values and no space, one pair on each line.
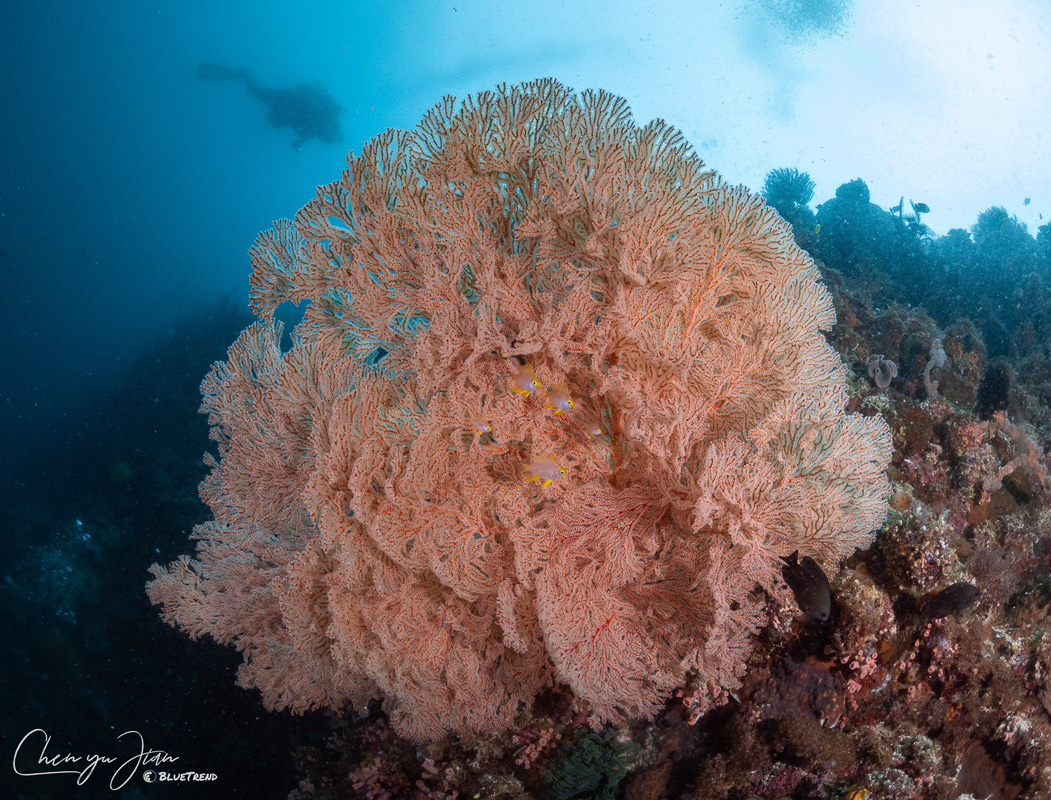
[376,531]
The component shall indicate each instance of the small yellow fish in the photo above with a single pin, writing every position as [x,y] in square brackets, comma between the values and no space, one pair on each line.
[594,430]
[543,469]
[590,423]
[481,426]
[559,400]
[525,383]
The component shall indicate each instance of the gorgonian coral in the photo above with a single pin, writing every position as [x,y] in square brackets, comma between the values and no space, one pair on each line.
[559,402]
[788,190]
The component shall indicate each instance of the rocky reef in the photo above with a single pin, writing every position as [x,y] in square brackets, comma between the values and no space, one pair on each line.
[931,676]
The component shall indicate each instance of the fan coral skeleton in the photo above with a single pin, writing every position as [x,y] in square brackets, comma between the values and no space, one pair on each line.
[373,534]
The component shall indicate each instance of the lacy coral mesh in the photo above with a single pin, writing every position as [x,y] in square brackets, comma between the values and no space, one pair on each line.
[396,516]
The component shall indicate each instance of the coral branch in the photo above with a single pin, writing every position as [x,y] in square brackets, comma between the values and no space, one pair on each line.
[559,402]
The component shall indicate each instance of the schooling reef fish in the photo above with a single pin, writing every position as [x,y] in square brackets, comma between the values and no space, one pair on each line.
[543,469]
[525,383]
[559,400]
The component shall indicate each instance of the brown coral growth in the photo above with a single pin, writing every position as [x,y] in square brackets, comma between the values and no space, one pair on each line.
[376,530]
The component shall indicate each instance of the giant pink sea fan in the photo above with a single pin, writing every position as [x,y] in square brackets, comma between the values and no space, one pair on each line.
[399,511]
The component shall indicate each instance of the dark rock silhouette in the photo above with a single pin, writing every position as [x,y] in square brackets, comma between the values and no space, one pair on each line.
[308,109]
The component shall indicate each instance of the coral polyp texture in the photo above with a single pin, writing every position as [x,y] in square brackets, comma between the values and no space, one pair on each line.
[559,403]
